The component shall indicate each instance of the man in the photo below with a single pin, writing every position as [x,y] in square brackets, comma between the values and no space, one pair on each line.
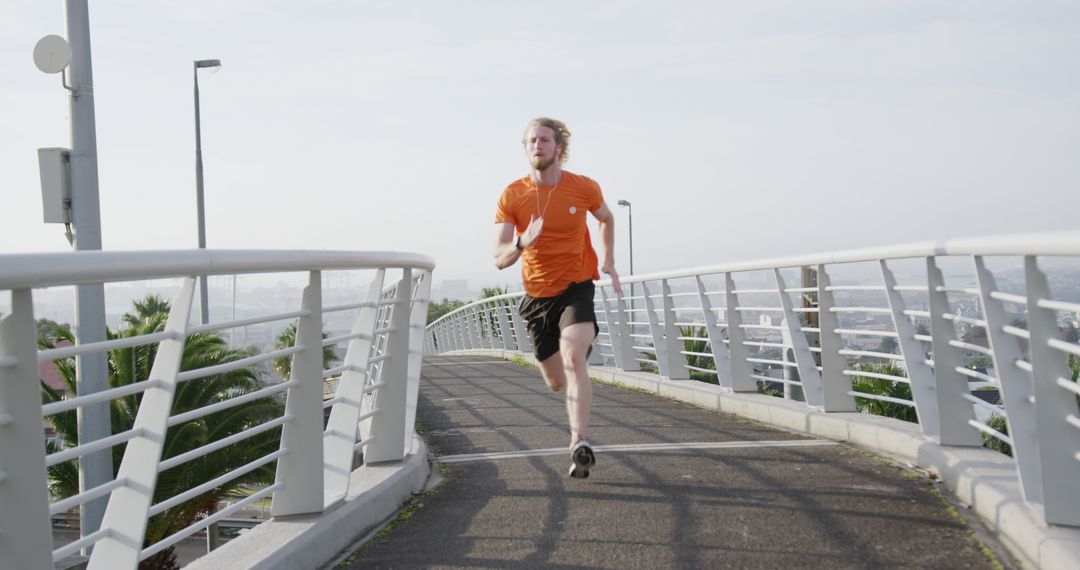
[541,219]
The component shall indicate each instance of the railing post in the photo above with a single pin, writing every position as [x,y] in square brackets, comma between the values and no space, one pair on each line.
[1059,446]
[481,324]
[453,333]
[418,315]
[1015,387]
[25,532]
[804,358]
[464,332]
[740,368]
[596,358]
[300,470]
[126,514]
[834,384]
[473,319]
[919,374]
[676,360]
[487,321]
[955,413]
[339,439]
[504,326]
[612,329]
[622,344]
[388,428]
[721,358]
[657,333]
[524,344]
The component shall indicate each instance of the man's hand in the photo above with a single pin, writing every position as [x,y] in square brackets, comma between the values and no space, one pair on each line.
[609,268]
[532,232]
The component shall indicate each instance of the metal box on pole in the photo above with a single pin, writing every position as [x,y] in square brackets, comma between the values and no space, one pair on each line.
[55,184]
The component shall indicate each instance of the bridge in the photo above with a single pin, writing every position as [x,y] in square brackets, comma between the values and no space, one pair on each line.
[784,411]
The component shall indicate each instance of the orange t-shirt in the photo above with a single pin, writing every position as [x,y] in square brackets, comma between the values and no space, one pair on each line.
[563,254]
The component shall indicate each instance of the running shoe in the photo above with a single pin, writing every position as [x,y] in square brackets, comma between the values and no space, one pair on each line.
[582,458]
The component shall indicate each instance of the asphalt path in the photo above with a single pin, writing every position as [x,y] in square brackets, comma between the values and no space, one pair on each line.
[675,486]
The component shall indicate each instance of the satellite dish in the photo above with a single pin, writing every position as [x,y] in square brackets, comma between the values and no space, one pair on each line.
[51,54]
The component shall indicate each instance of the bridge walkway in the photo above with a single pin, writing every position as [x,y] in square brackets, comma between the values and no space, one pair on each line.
[675,487]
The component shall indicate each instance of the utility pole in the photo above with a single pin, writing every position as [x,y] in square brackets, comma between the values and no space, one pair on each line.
[93,420]
[204,302]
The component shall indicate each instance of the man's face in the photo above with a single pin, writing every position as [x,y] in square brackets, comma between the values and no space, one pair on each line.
[540,147]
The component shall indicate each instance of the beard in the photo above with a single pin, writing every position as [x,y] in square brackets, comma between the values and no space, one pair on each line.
[541,164]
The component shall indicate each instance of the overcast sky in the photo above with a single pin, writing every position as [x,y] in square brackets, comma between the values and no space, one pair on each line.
[738,130]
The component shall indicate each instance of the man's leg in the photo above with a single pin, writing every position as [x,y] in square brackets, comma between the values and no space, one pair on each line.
[554,373]
[573,344]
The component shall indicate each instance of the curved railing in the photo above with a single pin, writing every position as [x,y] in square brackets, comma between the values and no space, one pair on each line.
[925,327]
[373,409]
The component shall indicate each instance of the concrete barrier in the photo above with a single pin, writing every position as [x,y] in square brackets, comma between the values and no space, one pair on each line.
[376,493]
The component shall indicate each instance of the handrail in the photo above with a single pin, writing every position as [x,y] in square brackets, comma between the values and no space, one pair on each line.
[1034,243]
[27,270]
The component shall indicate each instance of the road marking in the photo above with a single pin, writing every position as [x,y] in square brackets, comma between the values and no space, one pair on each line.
[637,447]
[461,363]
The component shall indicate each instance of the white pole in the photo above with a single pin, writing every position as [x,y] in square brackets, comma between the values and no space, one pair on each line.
[204,304]
[93,421]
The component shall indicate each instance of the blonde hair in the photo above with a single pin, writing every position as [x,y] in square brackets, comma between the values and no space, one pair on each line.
[562,134]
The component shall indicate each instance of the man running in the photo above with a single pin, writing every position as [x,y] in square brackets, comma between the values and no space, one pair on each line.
[541,219]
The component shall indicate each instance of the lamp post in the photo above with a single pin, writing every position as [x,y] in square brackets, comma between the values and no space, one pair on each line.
[203,293]
[630,213]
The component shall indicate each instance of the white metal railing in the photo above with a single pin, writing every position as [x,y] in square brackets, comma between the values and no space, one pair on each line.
[810,325]
[373,409]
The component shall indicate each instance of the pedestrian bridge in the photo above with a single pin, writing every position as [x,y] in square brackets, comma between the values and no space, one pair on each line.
[809,360]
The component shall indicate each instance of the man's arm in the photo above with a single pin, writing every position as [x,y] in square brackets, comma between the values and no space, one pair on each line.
[506,251]
[607,241]
[506,247]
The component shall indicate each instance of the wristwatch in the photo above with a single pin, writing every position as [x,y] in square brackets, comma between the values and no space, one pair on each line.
[517,244]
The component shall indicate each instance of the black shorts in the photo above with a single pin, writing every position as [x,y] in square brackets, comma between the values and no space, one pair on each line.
[548,316]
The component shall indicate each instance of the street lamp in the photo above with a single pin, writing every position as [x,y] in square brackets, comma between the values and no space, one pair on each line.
[199,183]
[630,212]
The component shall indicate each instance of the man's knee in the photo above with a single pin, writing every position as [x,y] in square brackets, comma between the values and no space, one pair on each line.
[574,357]
[574,344]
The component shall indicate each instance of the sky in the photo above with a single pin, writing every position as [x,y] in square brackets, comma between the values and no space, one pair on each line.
[738,130]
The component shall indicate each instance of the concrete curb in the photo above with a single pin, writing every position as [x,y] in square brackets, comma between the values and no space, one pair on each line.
[376,492]
[982,479]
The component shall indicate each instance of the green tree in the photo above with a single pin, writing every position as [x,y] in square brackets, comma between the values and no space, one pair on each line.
[882,387]
[287,338]
[129,365]
[48,328]
[486,292]
[438,309]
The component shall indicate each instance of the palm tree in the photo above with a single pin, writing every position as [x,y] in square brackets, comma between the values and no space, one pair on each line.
[129,365]
[882,387]
[287,338]
[700,346]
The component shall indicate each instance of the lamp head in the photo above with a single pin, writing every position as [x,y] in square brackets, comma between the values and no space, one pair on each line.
[207,63]
[623,203]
